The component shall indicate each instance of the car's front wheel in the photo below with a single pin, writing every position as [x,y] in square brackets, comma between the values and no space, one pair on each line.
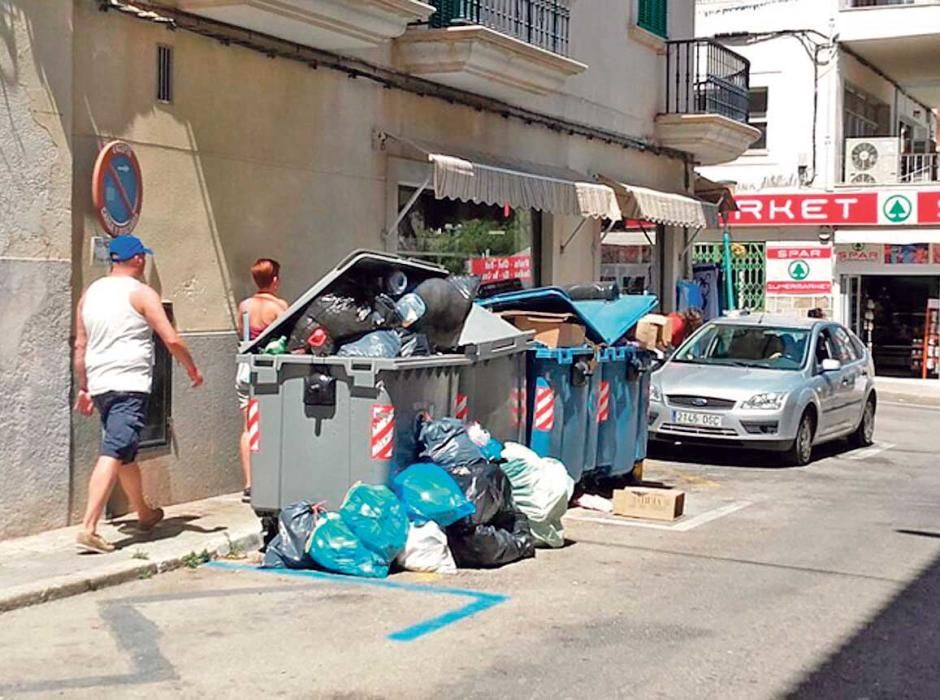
[801,450]
[864,435]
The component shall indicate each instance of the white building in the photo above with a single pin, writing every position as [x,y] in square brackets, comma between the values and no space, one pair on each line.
[846,93]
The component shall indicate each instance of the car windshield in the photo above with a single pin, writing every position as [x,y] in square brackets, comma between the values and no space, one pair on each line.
[767,347]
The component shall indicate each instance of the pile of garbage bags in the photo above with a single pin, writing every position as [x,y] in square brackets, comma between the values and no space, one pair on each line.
[469,503]
[356,319]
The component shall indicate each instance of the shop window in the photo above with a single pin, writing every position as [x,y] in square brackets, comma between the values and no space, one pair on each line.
[156,432]
[758,116]
[496,243]
[164,74]
[653,16]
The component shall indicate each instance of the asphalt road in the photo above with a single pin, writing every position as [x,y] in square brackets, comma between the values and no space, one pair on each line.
[820,582]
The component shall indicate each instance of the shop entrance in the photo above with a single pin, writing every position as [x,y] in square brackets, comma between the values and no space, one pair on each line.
[902,323]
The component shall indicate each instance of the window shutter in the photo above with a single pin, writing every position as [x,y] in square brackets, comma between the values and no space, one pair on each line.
[653,16]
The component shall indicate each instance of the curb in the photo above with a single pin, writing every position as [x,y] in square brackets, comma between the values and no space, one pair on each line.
[913,399]
[60,587]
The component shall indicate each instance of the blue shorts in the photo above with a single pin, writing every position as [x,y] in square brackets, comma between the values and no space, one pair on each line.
[123,415]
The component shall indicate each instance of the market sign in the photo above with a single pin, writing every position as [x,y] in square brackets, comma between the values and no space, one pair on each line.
[495,269]
[860,252]
[885,208]
[799,268]
[117,190]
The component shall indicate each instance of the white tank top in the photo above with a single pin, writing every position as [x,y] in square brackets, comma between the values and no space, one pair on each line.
[119,354]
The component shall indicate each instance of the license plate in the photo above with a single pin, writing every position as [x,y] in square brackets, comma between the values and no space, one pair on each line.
[704,420]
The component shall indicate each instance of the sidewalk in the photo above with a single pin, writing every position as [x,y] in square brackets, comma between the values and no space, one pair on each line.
[915,391]
[47,566]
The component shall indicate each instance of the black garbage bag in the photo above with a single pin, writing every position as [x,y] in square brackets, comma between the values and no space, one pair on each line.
[413,344]
[604,291]
[447,304]
[309,336]
[491,546]
[446,443]
[487,487]
[288,549]
[348,315]
[375,344]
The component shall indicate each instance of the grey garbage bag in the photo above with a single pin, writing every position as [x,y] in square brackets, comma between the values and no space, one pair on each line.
[288,549]
[446,443]
[376,344]
[447,304]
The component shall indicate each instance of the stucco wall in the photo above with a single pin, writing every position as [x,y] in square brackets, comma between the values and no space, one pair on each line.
[35,252]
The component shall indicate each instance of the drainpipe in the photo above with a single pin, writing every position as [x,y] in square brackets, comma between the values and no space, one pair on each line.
[726,261]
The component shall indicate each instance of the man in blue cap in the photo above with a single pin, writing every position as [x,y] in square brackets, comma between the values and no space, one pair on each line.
[116,319]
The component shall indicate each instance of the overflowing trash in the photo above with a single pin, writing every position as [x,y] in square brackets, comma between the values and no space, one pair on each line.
[430,494]
[288,549]
[426,550]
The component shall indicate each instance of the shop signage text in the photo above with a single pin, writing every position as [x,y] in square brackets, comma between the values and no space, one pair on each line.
[799,268]
[495,269]
[886,208]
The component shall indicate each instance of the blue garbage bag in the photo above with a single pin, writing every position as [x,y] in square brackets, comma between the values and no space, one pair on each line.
[336,548]
[377,344]
[376,516]
[429,493]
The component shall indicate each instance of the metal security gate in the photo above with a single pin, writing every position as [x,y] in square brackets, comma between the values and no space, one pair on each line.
[747,266]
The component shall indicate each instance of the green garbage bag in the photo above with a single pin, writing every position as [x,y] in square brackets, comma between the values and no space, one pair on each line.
[541,489]
[336,548]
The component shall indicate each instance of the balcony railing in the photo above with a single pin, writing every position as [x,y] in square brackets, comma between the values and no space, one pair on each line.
[542,23]
[919,167]
[704,77]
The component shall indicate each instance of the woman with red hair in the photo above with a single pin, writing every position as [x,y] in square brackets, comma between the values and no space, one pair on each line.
[260,310]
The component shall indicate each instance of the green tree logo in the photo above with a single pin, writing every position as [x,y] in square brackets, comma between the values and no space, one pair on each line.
[897,209]
[798,270]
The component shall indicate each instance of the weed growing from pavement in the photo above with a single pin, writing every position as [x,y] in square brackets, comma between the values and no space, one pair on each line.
[140,554]
[145,574]
[235,550]
[192,560]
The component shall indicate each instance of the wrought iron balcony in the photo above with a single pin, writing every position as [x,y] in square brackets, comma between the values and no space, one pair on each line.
[704,77]
[542,23]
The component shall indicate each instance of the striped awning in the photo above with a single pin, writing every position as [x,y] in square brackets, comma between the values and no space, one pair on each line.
[645,204]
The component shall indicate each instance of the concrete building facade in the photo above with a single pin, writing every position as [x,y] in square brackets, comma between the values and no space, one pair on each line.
[295,131]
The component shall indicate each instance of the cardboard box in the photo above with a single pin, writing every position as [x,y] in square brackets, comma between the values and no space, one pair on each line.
[654,331]
[552,330]
[649,503]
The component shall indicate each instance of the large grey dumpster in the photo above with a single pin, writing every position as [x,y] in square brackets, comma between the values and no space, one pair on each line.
[326,423]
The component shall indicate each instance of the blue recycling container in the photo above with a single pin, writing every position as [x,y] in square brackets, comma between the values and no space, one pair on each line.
[614,410]
[558,388]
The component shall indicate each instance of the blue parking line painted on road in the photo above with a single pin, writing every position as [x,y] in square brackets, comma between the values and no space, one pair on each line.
[480,603]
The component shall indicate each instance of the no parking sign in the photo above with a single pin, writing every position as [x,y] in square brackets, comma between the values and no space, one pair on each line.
[117,189]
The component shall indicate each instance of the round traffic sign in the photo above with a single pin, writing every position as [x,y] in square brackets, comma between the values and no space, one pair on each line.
[117,189]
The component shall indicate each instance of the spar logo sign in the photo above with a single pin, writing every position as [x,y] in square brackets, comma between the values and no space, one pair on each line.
[897,209]
[799,268]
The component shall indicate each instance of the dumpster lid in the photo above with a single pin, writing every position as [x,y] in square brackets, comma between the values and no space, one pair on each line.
[360,263]
[484,333]
[605,321]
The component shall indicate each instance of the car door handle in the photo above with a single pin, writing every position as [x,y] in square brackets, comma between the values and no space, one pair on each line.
[846,381]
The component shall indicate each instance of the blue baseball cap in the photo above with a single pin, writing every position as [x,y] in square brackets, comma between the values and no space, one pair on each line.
[123,248]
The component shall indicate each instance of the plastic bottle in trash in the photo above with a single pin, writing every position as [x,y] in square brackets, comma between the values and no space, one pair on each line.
[411,308]
[276,347]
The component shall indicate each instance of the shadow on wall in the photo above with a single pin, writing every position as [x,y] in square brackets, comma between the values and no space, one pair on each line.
[895,655]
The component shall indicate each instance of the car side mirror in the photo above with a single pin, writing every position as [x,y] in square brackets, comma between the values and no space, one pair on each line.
[830,365]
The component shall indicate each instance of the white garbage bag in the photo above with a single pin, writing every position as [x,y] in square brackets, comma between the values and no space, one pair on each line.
[541,488]
[426,550]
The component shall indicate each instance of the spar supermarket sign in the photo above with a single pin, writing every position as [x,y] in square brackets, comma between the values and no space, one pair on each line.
[799,268]
[882,208]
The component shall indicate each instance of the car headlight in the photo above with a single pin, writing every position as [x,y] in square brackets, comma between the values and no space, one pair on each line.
[766,402]
[656,394]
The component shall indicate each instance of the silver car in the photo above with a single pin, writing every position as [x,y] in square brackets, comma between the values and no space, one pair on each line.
[766,382]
